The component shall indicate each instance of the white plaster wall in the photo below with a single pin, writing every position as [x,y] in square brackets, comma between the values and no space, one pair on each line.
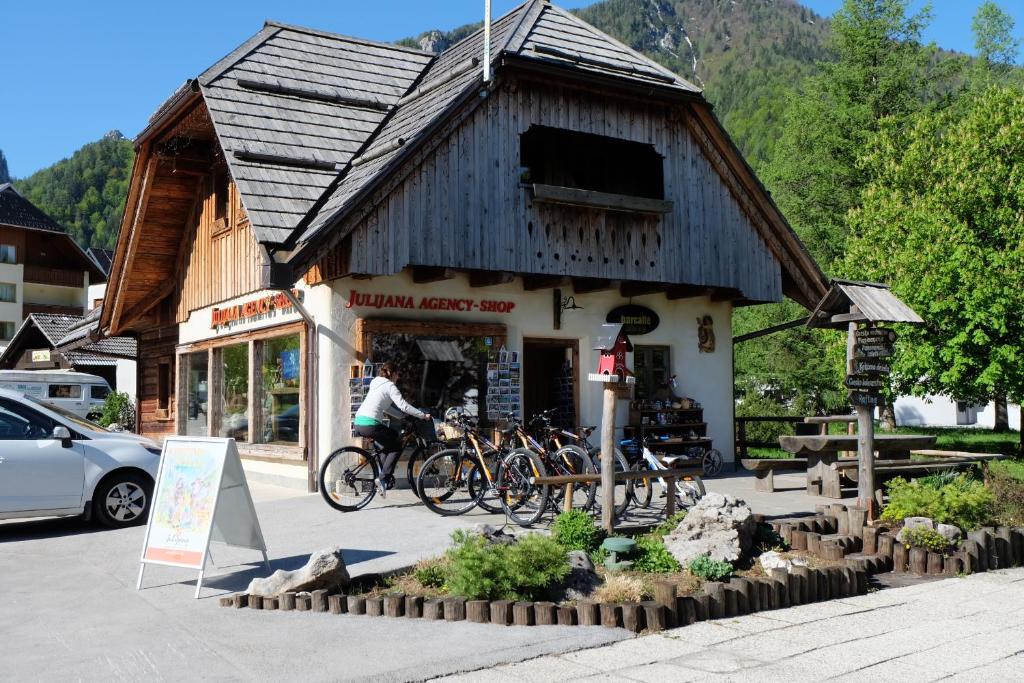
[95,292]
[940,411]
[54,295]
[126,378]
[706,377]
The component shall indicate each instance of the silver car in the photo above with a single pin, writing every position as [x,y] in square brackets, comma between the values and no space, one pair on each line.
[54,463]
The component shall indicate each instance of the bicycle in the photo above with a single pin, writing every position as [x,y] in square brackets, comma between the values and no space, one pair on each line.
[455,480]
[623,492]
[350,477]
[688,489]
[560,460]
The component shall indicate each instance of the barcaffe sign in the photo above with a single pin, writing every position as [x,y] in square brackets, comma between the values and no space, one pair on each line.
[255,309]
[634,319]
[358,299]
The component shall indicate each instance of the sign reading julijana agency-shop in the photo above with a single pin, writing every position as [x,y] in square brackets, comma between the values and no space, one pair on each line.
[634,319]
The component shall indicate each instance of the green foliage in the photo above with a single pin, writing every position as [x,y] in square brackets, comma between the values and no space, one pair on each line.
[86,193]
[118,408]
[993,37]
[1006,481]
[710,570]
[766,538]
[432,573]
[929,539]
[941,221]
[669,525]
[963,502]
[576,530]
[522,571]
[652,556]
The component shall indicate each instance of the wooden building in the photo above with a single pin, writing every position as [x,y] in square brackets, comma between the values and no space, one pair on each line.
[314,202]
[42,270]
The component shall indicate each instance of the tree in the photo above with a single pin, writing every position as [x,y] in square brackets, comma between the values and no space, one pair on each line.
[942,220]
[5,175]
[993,38]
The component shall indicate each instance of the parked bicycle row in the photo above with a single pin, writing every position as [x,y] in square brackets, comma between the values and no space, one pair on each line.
[463,469]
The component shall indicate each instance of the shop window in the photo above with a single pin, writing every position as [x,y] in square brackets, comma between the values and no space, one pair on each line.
[197,367]
[280,375]
[8,253]
[67,391]
[234,413]
[652,369]
[6,331]
[564,158]
[163,388]
[8,292]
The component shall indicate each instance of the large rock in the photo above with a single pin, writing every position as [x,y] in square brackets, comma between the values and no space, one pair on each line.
[496,535]
[773,560]
[914,523]
[718,525]
[325,569]
[581,580]
[950,532]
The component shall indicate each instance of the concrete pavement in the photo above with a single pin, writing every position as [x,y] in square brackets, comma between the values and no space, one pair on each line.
[963,629]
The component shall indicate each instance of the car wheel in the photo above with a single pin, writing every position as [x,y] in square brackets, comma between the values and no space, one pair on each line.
[122,499]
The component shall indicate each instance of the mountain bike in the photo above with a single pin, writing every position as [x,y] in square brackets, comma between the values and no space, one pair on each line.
[688,488]
[623,493]
[559,459]
[350,477]
[455,480]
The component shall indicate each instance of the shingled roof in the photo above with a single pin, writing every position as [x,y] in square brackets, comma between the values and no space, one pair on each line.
[19,212]
[57,328]
[292,106]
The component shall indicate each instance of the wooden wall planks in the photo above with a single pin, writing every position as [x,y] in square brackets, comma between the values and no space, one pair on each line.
[464,206]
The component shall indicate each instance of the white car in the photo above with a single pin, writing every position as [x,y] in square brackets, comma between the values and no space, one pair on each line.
[54,463]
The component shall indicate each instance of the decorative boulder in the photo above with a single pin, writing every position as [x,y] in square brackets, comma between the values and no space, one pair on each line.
[494,534]
[718,525]
[773,560]
[581,580]
[914,523]
[325,569]
[950,532]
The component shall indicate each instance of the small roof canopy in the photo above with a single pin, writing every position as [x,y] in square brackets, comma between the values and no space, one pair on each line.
[608,334]
[874,302]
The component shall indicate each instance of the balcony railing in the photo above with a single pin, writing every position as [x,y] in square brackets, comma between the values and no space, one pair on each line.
[54,276]
[26,309]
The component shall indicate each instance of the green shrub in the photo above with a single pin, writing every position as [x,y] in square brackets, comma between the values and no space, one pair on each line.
[652,556]
[929,539]
[118,408]
[963,502]
[576,530]
[711,570]
[766,538]
[432,573]
[481,570]
[1006,481]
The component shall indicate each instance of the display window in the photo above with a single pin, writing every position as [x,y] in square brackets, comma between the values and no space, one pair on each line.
[196,367]
[281,376]
[234,410]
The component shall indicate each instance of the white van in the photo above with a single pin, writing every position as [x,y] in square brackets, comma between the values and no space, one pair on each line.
[75,392]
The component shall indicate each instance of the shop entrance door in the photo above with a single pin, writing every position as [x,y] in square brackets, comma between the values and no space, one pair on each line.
[551,379]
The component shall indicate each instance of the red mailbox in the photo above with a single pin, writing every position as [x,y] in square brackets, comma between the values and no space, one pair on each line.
[613,344]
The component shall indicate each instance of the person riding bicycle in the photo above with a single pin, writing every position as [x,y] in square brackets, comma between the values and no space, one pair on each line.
[368,422]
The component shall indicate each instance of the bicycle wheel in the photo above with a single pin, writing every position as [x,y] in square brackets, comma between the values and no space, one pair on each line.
[444,483]
[643,489]
[348,479]
[416,460]
[573,460]
[623,492]
[522,501]
[712,462]
[480,488]
[689,490]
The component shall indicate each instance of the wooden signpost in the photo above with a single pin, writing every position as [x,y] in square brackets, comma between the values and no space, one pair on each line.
[613,373]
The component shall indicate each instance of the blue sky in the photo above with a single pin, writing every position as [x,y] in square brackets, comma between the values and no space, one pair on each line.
[74,70]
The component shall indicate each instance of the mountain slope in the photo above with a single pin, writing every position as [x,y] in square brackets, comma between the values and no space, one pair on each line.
[86,193]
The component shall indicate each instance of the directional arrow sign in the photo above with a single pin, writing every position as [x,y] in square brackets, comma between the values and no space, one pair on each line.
[864,382]
[873,351]
[876,335]
[860,398]
[871,367]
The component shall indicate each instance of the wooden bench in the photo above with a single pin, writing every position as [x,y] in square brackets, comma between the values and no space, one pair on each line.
[764,470]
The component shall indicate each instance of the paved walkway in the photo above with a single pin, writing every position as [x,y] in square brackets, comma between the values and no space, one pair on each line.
[968,629]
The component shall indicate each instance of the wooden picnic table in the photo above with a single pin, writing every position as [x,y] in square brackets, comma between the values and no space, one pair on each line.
[822,452]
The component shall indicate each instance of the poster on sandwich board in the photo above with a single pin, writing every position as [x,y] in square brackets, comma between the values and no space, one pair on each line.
[201,495]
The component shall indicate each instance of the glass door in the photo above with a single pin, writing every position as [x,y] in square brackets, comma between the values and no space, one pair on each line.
[197,416]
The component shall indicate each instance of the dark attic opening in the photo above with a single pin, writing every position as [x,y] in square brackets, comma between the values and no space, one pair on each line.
[565,158]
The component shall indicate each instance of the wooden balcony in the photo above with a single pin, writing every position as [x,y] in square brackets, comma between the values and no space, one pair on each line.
[54,276]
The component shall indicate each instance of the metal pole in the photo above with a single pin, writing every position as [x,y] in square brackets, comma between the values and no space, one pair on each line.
[608,459]
[487,41]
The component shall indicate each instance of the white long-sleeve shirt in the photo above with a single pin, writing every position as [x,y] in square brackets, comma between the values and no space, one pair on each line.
[380,397]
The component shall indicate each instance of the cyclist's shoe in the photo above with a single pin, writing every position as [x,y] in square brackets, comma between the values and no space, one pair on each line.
[389,481]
